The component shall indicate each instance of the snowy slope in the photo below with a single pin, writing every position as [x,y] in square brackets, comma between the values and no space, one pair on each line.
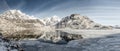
[76,21]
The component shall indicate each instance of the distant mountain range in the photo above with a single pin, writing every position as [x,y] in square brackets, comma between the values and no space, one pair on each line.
[15,22]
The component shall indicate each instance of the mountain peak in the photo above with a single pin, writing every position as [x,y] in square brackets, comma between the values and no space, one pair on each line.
[16,14]
[52,20]
[76,21]
[75,14]
[14,11]
[78,16]
[55,18]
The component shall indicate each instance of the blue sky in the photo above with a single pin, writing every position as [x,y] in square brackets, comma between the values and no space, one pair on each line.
[106,12]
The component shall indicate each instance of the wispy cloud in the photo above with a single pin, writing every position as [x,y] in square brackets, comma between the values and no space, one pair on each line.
[107,11]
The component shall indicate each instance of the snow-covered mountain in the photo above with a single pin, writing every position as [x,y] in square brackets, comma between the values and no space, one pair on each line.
[50,21]
[15,23]
[12,21]
[76,21]
[16,14]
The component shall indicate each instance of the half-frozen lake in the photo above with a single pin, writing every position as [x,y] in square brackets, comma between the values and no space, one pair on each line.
[93,40]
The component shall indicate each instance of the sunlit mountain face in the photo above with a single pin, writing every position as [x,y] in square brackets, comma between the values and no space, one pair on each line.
[102,11]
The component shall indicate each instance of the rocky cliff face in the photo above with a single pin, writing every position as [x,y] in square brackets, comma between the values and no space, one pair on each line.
[76,21]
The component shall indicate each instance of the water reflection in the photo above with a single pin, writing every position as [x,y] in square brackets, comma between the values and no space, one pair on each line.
[59,37]
[108,43]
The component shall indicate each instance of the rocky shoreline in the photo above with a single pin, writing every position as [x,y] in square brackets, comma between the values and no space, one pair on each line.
[9,45]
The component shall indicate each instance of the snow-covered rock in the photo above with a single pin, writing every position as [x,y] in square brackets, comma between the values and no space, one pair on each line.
[8,45]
